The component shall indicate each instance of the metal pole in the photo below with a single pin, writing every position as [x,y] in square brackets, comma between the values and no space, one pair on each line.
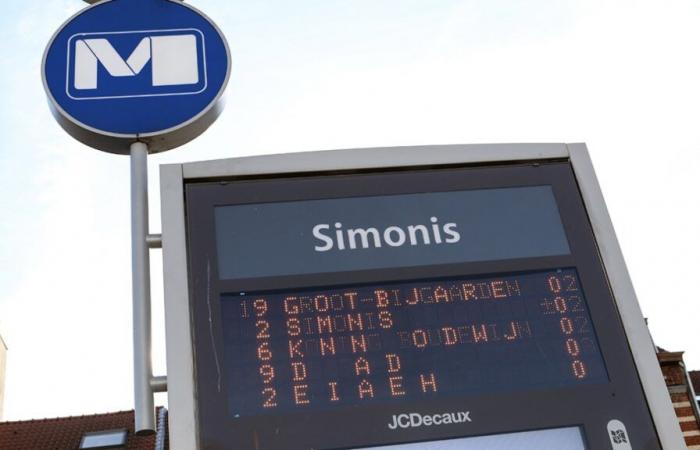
[141,291]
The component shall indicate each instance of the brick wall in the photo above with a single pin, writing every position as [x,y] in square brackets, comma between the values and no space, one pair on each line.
[681,393]
[695,378]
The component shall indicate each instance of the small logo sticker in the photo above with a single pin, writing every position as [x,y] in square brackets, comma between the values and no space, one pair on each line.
[619,438]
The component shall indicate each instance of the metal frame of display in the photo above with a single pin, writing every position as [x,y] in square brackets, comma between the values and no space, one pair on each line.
[180,357]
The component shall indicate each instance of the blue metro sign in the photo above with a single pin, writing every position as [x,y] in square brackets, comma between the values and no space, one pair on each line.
[126,70]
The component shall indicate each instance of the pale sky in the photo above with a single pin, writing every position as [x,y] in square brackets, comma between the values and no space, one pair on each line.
[622,76]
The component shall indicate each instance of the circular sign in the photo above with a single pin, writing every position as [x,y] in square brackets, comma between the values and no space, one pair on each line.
[123,71]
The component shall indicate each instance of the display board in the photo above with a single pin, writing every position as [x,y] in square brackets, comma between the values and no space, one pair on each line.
[390,343]
[456,306]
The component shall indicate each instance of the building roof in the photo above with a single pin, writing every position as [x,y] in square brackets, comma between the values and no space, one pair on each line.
[65,433]
[664,356]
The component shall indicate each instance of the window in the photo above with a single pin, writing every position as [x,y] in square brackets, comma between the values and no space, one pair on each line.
[104,439]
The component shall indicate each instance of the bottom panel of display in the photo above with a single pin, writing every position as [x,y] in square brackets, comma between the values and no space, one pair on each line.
[557,439]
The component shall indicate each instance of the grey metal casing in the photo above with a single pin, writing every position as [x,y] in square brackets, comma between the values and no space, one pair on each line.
[181,381]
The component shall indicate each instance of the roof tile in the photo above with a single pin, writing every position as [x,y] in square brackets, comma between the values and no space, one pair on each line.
[64,433]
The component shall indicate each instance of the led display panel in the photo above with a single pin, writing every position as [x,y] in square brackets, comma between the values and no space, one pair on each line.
[362,345]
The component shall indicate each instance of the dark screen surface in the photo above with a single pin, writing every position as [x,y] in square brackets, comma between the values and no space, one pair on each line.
[363,345]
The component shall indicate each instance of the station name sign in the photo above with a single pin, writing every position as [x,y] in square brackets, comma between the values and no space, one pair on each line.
[332,235]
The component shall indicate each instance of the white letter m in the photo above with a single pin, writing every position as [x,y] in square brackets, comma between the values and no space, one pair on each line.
[173,60]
